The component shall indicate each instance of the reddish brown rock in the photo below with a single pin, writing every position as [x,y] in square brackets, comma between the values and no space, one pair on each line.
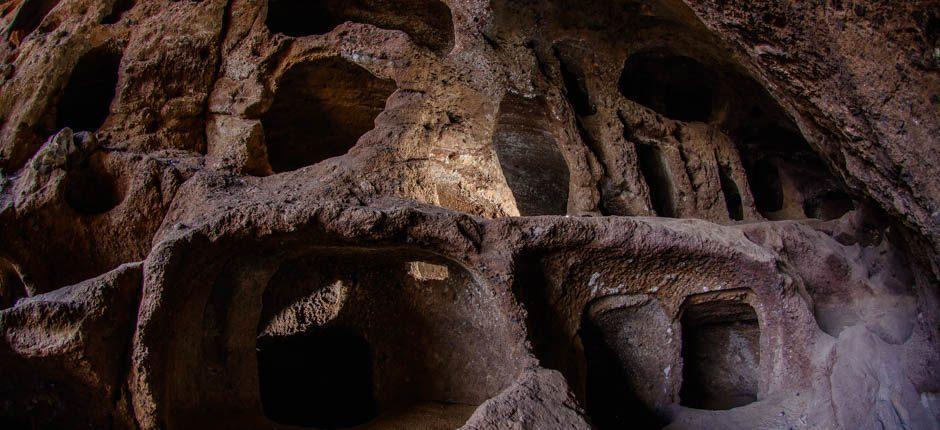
[477,214]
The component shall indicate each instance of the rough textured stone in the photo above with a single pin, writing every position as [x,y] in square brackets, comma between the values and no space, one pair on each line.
[478,214]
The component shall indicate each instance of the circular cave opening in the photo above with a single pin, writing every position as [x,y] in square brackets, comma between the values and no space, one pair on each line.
[360,339]
[675,86]
[92,188]
[720,354]
[320,111]
[428,22]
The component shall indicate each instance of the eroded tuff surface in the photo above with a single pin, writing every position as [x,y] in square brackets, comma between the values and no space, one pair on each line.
[474,214]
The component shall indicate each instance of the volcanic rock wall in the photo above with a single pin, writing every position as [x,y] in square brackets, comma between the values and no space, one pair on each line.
[477,214]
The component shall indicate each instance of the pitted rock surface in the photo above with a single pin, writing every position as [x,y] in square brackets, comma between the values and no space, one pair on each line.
[476,214]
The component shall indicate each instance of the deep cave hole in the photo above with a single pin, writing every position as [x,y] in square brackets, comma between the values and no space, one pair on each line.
[428,22]
[12,287]
[29,15]
[117,11]
[732,194]
[92,189]
[720,355]
[765,184]
[86,101]
[321,379]
[677,87]
[655,171]
[320,110]
[528,153]
[613,345]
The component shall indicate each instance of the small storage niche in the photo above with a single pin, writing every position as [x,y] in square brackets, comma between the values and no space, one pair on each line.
[720,354]
[86,101]
[320,110]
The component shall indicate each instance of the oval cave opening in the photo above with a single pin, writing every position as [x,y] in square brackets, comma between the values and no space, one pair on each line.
[320,111]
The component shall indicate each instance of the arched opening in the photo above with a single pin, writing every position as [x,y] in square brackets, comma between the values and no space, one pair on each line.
[720,354]
[347,338]
[575,84]
[528,153]
[428,22]
[675,86]
[624,373]
[658,179]
[320,111]
[86,101]
[765,185]
[92,189]
[322,379]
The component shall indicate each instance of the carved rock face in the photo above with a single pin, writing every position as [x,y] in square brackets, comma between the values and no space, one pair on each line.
[477,214]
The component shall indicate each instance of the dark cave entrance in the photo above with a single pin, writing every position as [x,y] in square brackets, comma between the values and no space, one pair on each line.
[653,167]
[321,379]
[117,11]
[86,101]
[320,111]
[528,153]
[428,22]
[720,355]
[676,87]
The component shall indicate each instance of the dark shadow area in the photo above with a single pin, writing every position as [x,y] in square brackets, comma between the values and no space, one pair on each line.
[532,163]
[428,22]
[828,206]
[575,85]
[321,379]
[86,101]
[117,11]
[677,87]
[720,355]
[612,402]
[29,15]
[91,189]
[656,173]
[12,287]
[731,193]
[320,110]
[765,185]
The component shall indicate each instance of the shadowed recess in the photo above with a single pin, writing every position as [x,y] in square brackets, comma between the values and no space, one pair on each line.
[533,165]
[427,22]
[720,355]
[92,189]
[28,17]
[320,111]
[674,86]
[321,379]
[86,101]
[653,167]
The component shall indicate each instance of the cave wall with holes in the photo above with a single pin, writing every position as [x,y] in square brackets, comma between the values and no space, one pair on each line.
[476,214]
